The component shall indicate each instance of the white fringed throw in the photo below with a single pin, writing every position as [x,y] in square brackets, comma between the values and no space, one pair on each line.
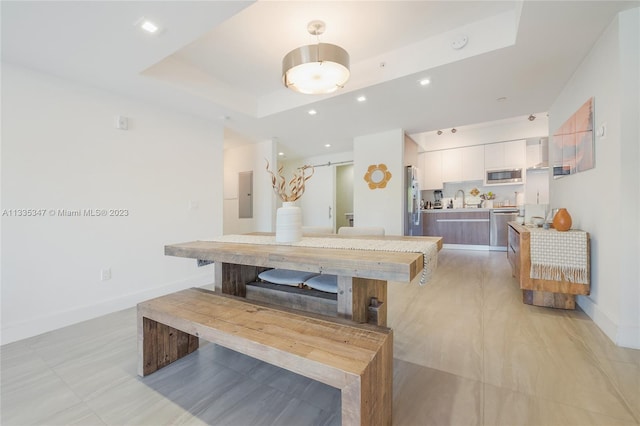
[428,249]
[559,255]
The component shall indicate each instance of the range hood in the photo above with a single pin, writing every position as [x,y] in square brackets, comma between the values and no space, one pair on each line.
[543,155]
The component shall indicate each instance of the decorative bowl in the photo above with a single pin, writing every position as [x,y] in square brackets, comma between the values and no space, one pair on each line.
[537,220]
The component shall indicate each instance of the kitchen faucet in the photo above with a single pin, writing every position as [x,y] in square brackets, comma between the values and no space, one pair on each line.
[456,196]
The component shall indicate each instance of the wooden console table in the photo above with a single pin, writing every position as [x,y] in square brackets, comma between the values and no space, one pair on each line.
[541,292]
[362,274]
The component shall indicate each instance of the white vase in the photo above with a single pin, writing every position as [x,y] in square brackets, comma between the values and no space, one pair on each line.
[288,223]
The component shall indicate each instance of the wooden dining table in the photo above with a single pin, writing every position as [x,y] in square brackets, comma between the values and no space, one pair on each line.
[361,274]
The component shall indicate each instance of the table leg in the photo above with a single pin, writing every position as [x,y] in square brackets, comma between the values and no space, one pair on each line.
[354,298]
[232,278]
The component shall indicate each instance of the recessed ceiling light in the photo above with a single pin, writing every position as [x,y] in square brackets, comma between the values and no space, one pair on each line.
[281,154]
[312,112]
[361,98]
[327,145]
[147,25]
[424,82]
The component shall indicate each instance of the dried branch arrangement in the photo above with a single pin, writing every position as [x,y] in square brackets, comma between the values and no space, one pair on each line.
[296,184]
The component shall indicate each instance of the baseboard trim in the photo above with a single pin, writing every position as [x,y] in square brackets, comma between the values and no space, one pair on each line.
[625,336]
[44,324]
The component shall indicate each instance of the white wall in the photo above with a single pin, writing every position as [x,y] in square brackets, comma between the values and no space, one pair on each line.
[604,200]
[61,150]
[379,207]
[243,159]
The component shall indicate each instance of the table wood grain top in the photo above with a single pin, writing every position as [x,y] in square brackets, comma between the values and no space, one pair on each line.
[382,265]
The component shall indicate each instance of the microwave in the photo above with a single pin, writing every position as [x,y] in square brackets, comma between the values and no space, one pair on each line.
[503,176]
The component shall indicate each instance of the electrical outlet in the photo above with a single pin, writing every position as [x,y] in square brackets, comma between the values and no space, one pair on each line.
[122,122]
[105,274]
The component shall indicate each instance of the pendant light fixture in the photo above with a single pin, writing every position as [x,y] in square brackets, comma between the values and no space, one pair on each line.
[317,68]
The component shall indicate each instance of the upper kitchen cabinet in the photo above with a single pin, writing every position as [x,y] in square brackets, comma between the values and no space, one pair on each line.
[452,165]
[431,165]
[462,164]
[473,163]
[505,155]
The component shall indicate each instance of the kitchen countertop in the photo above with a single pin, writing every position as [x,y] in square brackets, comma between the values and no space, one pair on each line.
[468,209]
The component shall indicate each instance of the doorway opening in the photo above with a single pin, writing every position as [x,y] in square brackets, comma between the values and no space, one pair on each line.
[344,195]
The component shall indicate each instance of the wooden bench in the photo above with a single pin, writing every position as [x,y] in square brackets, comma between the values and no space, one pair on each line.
[357,359]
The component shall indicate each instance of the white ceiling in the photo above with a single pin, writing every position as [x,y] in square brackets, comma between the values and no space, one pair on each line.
[222,60]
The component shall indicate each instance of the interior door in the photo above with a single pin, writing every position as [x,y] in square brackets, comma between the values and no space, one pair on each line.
[318,201]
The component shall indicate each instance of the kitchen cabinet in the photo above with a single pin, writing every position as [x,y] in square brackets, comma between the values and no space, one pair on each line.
[557,293]
[469,163]
[452,165]
[533,155]
[513,252]
[429,224]
[458,227]
[431,165]
[473,163]
[462,164]
[505,155]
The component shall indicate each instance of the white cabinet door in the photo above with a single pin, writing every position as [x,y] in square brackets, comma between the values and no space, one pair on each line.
[505,155]
[515,153]
[452,165]
[473,163]
[494,156]
[533,155]
[431,165]
[318,201]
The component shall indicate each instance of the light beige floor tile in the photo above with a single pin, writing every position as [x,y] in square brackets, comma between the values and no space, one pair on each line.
[424,396]
[13,353]
[507,407]
[450,342]
[78,415]
[562,372]
[133,402]
[29,382]
[440,325]
[626,379]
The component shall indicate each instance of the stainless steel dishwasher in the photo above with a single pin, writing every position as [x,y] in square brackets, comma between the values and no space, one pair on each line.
[498,227]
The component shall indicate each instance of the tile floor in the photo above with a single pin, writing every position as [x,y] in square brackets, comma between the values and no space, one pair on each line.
[467,352]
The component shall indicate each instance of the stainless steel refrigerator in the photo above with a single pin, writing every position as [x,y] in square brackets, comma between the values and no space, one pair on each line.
[412,213]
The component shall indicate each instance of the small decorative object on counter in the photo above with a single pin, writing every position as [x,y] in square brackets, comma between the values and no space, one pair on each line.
[562,220]
[537,220]
[289,216]
[488,196]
